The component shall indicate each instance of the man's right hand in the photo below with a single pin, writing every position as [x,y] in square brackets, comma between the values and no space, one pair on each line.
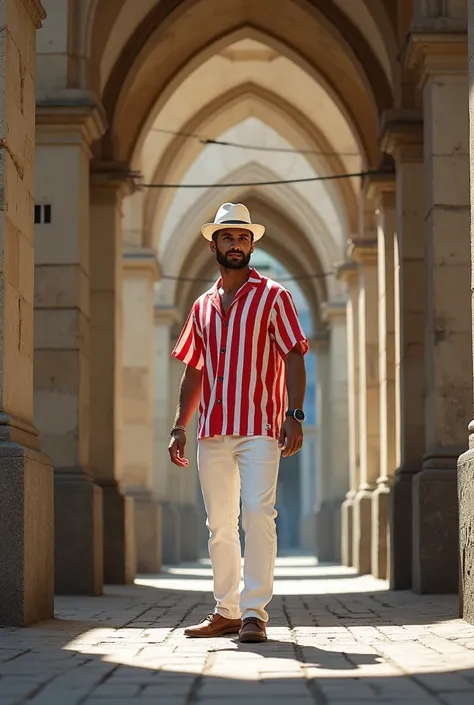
[176,449]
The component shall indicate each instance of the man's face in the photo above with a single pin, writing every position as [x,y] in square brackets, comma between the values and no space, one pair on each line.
[233,248]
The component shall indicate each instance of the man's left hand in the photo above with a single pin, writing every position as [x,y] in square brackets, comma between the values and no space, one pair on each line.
[291,437]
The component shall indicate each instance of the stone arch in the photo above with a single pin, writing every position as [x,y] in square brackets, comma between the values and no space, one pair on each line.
[216,117]
[157,55]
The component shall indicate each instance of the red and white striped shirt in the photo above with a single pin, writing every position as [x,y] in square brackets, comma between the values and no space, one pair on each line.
[241,354]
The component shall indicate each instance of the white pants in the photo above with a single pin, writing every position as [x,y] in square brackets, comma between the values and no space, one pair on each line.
[230,468]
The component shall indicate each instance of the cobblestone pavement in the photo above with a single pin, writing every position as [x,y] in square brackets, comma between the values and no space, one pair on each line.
[334,639]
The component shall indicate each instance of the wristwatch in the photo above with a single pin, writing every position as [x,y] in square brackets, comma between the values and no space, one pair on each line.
[297,414]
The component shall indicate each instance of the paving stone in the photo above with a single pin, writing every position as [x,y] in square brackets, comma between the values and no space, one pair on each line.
[346,640]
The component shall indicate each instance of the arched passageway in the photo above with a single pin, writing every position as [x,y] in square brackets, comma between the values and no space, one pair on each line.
[369,215]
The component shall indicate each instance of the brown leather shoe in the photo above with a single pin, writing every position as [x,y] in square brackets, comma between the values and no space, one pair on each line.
[253,630]
[214,625]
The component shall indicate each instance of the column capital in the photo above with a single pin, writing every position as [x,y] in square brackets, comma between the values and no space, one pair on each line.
[113,176]
[167,315]
[333,310]
[70,116]
[431,54]
[363,251]
[36,12]
[319,343]
[381,189]
[347,271]
[401,134]
[142,260]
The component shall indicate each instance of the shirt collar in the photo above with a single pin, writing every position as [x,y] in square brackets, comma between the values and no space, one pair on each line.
[254,280]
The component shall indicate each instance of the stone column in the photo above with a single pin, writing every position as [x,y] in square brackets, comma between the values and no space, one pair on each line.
[442,64]
[348,271]
[466,460]
[140,270]
[382,189]
[324,523]
[26,476]
[402,137]
[334,314]
[365,253]
[165,406]
[109,184]
[62,334]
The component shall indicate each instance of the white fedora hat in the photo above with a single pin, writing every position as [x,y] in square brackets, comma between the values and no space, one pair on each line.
[232,215]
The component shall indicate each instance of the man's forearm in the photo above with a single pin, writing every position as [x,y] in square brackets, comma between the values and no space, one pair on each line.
[189,395]
[295,379]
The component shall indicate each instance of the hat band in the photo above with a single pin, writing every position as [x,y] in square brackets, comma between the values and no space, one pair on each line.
[233,222]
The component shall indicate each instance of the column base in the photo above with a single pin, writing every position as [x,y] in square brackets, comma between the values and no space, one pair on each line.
[436,525]
[466,535]
[148,534]
[362,547]
[78,543]
[189,532]
[120,563]
[171,534]
[26,534]
[380,530]
[401,527]
[328,531]
[347,532]
[308,533]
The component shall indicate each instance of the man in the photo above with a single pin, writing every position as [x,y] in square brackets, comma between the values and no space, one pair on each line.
[242,344]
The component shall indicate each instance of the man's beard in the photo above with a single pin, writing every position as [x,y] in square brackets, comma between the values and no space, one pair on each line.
[229,263]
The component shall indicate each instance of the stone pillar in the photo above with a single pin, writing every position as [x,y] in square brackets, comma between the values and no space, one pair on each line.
[165,406]
[62,332]
[466,460]
[365,253]
[442,64]
[337,481]
[26,476]
[402,132]
[324,519]
[109,183]
[140,270]
[382,192]
[348,271]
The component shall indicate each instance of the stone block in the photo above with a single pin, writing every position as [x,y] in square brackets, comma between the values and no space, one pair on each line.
[347,533]
[120,564]
[171,522]
[362,550]
[64,329]
[380,528]
[436,528]
[189,533]
[26,536]
[328,532]
[466,535]
[148,534]
[400,520]
[79,557]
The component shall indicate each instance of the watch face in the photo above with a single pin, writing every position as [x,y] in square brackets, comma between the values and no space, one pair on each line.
[299,415]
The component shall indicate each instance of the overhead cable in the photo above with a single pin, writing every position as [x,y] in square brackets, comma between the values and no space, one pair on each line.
[276,182]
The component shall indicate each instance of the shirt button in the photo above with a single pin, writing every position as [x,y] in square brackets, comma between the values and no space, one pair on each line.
[220,379]
[219,401]
[226,323]
[222,350]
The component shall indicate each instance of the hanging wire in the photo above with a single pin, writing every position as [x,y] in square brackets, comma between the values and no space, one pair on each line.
[276,182]
[280,279]
[260,148]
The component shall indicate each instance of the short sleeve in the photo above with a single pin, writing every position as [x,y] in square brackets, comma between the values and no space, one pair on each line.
[189,347]
[286,327]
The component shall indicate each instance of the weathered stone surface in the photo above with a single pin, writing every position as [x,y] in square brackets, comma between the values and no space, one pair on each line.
[148,534]
[401,550]
[78,540]
[347,532]
[362,551]
[466,534]
[189,533]
[26,536]
[380,531]
[120,564]
[435,531]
